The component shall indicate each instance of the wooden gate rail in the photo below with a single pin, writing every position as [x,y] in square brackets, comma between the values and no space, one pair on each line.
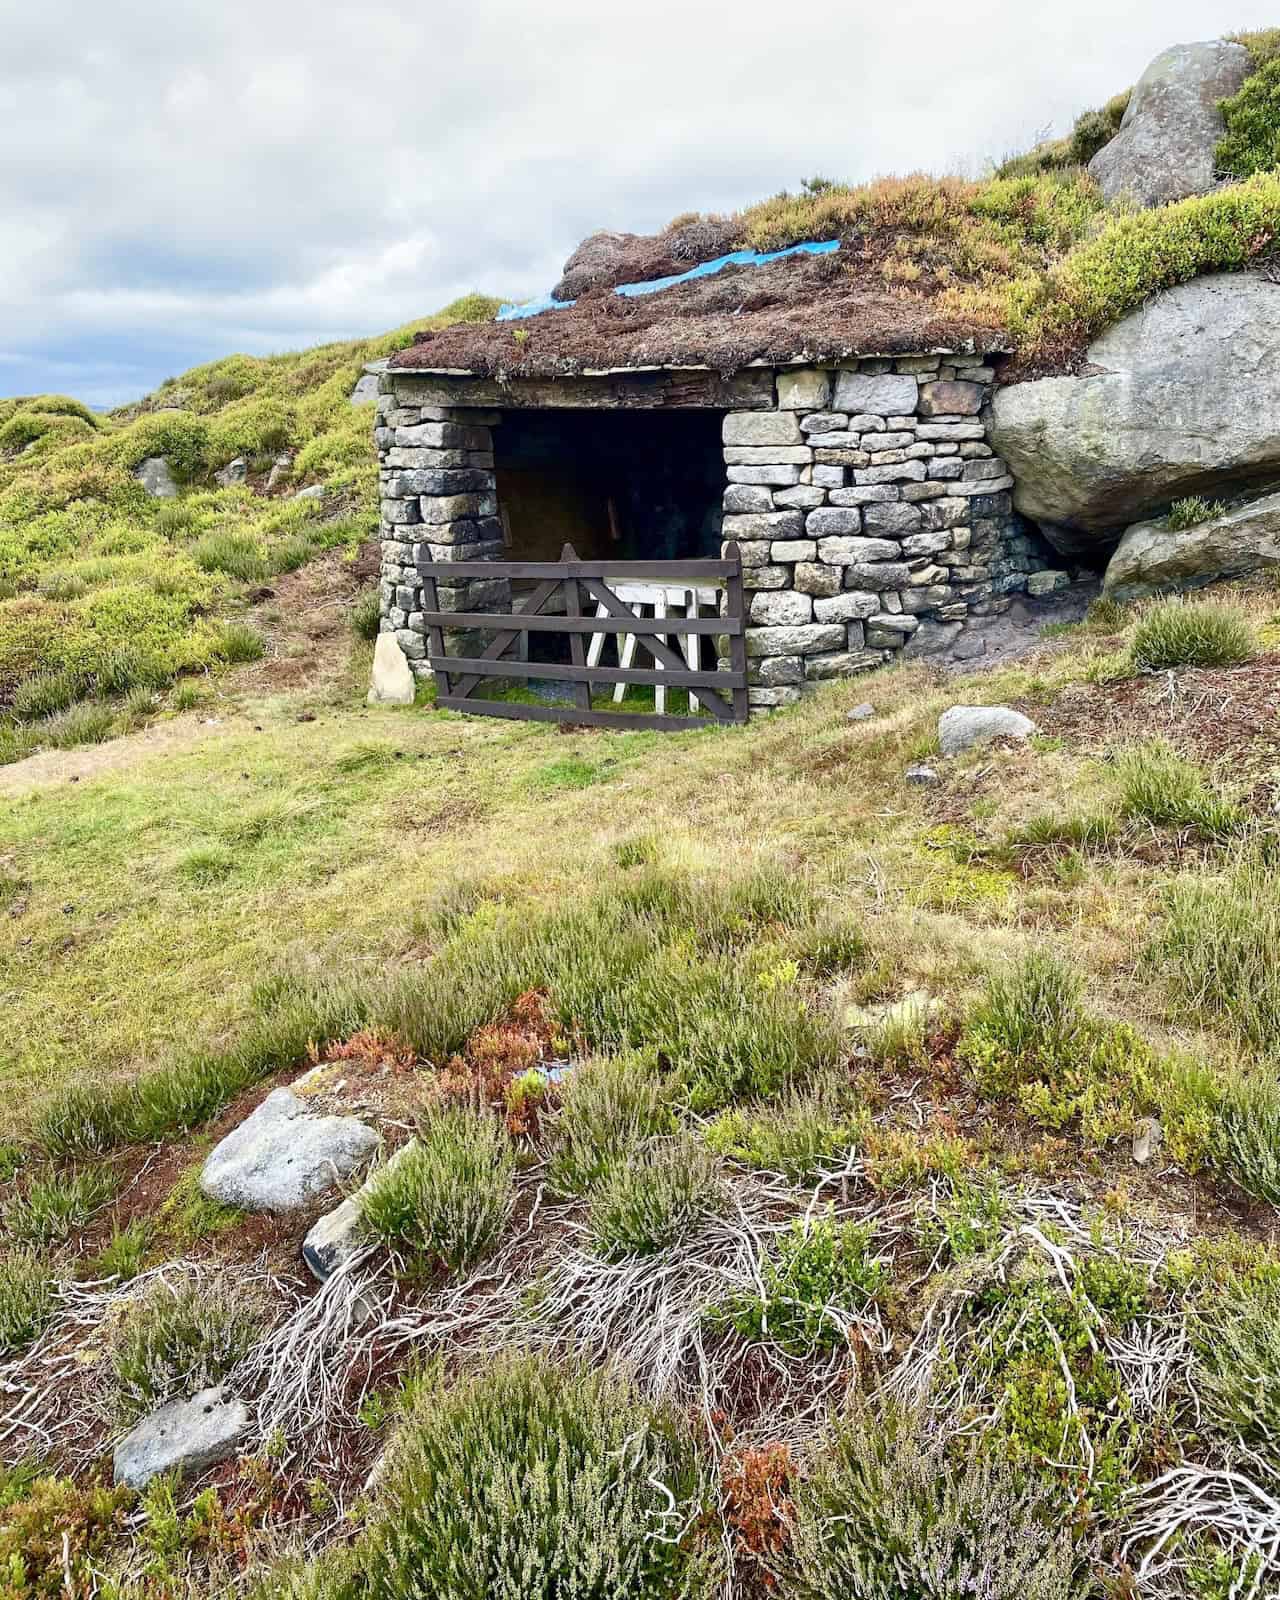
[586,584]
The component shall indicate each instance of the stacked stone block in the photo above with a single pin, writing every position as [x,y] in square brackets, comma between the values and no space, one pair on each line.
[439,503]
[873,518]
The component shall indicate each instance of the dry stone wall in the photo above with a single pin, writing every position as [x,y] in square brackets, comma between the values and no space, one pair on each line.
[873,517]
[439,503]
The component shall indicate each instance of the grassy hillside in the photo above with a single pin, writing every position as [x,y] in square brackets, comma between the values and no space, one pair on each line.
[845,1053]
[107,596]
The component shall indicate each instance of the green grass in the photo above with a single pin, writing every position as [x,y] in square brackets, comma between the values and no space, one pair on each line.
[1159,786]
[1191,512]
[442,1205]
[1184,633]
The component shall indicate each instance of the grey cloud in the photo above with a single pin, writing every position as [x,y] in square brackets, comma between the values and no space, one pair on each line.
[257,174]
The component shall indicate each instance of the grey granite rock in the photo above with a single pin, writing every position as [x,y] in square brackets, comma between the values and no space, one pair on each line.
[282,1156]
[183,1436]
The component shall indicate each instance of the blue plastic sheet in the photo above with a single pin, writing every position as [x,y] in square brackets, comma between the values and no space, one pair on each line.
[737,258]
[706,269]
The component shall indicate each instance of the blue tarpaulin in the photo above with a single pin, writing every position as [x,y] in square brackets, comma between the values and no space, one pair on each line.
[737,258]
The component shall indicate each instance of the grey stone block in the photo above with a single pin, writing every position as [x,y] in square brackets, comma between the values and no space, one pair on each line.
[842,664]
[182,1437]
[782,608]
[853,605]
[793,550]
[743,498]
[764,525]
[906,472]
[760,428]
[736,455]
[807,389]
[885,394]
[815,578]
[804,640]
[843,551]
[804,497]
[895,519]
[282,1156]
[780,476]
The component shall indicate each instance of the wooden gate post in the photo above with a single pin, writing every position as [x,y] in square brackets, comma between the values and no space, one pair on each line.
[435,634]
[735,605]
[577,644]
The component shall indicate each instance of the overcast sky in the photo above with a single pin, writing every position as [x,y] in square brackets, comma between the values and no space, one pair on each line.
[181,180]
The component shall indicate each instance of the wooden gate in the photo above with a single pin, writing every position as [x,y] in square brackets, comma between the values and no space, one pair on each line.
[578,598]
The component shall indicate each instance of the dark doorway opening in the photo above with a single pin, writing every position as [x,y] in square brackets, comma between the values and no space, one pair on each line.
[638,485]
[625,485]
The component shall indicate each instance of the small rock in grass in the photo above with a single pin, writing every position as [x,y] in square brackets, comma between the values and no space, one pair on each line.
[283,1157]
[339,1235]
[154,476]
[962,728]
[392,675]
[233,473]
[921,775]
[860,713]
[184,1436]
[1148,1136]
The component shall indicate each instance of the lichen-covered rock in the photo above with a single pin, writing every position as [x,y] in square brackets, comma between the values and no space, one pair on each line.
[1152,559]
[1165,148]
[235,472]
[154,476]
[183,1436]
[283,1157]
[962,728]
[1181,398]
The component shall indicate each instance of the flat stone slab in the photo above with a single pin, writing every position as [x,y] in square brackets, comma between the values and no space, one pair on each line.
[340,1234]
[283,1157]
[962,728]
[184,1436]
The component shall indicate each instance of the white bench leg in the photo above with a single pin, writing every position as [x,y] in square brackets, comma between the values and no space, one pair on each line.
[660,692]
[626,656]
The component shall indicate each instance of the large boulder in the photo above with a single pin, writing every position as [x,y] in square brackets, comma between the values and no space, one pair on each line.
[184,1436]
[1165,148]
[1152,558]
[1181,398]
[283,1157]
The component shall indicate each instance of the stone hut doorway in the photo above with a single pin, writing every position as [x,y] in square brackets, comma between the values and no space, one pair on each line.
[625,485]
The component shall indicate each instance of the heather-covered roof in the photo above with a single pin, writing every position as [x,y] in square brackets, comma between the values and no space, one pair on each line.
[799,308]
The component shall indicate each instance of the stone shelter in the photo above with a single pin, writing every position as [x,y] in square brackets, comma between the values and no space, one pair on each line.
[650,409]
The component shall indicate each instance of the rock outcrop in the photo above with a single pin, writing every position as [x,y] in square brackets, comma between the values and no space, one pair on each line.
[1181,398]
[1152,558]
[154,476]
[1165,148]
[184,1436]
[283,1156]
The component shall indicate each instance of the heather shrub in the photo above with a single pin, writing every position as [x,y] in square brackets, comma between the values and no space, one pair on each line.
[886,1515]
[176,1340]
[798,1137]
[534,1482]
[1184,633]
[444,1202]
[1160,786]
[26,1300]
[656,1197]
[607,1108]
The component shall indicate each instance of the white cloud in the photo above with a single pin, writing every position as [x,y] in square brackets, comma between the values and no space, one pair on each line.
[255,173]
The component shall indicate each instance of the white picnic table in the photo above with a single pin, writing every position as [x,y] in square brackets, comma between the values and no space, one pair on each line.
[666,600]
